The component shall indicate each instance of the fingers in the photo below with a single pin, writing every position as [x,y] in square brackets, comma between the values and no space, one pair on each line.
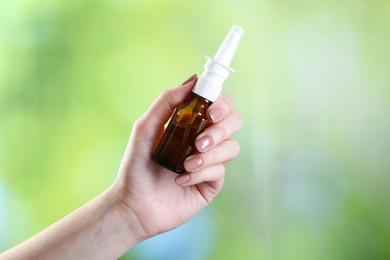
[208,166]
[224,152]
[226,122]
[217,133]
[211,174]
[220,108]
[213,145]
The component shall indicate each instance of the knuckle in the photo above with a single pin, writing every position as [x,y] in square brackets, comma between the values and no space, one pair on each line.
[164,96]
[214,173]
[236,147]
[222,170]
[230,101]
[221,132]
[212,157]
[226,104]
[209,158]
[139,123]
[234,122]
[238,119]
[227,100]
[203,175]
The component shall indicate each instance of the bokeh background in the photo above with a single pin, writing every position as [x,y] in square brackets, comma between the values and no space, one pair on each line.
[312,84]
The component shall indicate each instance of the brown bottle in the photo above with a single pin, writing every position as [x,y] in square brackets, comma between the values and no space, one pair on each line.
[189,118]
[177,143]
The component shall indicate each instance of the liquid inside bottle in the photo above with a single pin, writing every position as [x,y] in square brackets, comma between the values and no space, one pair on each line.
[177,143]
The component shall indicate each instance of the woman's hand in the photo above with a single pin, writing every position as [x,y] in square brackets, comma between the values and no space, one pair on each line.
[146,199]
[160,199]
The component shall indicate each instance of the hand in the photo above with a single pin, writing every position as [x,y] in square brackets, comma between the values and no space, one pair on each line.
[160,199]
[146,199]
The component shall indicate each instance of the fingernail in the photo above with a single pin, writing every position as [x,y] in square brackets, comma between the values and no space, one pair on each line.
[203,143]
[183,179]
[189,80]
[215,114]
[193,163]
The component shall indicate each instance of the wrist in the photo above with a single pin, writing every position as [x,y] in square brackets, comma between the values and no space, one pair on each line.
[124,220]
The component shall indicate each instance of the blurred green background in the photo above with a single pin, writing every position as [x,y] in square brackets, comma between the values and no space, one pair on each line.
[312,84]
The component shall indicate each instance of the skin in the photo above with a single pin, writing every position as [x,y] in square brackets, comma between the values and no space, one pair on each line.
[145,199]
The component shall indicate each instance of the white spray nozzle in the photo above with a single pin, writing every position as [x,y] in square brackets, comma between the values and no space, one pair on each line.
[217,69]
[229,46]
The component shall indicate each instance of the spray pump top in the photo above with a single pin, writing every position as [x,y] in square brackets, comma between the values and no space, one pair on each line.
[217,69]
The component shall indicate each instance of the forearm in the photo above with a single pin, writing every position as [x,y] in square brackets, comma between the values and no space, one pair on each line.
[100,229]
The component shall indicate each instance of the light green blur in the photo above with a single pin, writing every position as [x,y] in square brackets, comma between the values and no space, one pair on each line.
[312,84]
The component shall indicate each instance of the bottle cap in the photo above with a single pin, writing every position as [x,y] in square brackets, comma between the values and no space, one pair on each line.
[217,69]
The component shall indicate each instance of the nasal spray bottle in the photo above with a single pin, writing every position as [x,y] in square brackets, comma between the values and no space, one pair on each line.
[189,118]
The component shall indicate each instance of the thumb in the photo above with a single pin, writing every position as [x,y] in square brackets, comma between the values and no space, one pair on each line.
[151,124]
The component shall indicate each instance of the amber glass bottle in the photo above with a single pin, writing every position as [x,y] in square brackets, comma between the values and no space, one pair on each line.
[190,119]
[177,143]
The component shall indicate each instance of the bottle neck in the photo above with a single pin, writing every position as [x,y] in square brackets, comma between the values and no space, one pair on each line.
[209,85]
[201,98]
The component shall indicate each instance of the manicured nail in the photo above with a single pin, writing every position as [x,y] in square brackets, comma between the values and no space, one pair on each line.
[215,114]
[183,179]
[203,143]
[189,80]
[193,163]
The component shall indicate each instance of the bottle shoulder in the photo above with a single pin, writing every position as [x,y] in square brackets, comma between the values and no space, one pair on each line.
[193,111]
[195,102]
